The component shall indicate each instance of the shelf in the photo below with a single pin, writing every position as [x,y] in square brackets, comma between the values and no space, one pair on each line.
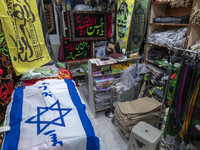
[165,24]
[106,74]
[162,2]
[102,109]
[150,61]
[158,45]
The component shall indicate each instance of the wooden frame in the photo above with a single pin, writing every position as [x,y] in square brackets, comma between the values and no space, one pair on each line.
[87,25]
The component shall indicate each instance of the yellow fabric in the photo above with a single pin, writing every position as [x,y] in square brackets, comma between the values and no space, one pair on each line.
[188,118]
[124,15]
[24,35]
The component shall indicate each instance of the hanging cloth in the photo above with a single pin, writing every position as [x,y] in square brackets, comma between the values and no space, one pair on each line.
[23,33]
[190,111]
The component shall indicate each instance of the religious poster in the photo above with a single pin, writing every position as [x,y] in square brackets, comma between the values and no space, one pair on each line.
[77,50]
[6,77]
[87,26]
[138,25]
[123,22]
[49,15]
[24,35]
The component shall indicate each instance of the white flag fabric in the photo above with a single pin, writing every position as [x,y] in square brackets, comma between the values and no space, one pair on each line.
[49,115]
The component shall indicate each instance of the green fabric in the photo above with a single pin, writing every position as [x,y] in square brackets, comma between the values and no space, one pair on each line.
[116,70]
[60,64]
[172,84]
[163,64]
[167,125]
[138,25]
[85,67]
[46,72]
[2,124]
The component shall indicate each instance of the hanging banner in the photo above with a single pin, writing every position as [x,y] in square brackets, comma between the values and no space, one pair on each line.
[77,50]
[23,33]
[138,25]
[6,76]
[87,25]
[124,15]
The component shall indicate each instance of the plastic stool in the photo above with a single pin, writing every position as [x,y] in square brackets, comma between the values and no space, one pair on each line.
[144,137]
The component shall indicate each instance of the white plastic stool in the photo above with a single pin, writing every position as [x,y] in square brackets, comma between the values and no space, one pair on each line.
[144,137]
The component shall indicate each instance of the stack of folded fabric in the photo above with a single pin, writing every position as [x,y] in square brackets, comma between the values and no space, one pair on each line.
[128,114]
[103,83]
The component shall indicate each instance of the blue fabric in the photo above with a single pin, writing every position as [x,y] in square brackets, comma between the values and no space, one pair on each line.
[11,143]
[101,52]
[92,140]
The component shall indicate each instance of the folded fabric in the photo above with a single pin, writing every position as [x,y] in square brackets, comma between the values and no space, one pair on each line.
[141,105]
[170,38]
[63,74]
[172,20]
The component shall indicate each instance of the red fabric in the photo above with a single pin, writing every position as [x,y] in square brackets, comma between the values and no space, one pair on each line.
[109,19]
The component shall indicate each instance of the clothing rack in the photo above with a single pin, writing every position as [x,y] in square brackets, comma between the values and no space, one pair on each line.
[165,92]
[186,50]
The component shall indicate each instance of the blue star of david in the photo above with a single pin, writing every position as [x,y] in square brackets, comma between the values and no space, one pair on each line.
[42,110]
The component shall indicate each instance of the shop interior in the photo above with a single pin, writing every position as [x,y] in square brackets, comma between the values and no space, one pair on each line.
[100,74]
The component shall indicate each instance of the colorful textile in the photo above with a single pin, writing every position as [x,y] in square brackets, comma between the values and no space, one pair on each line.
[194,128]
[23,34]
[6,76]
[190,111]
[49,115]
[170,115]
[63,74]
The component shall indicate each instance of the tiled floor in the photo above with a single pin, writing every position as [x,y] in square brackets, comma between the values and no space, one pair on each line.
[111,136]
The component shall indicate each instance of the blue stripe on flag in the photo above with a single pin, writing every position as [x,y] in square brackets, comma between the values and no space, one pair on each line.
[92,140]
[12,137]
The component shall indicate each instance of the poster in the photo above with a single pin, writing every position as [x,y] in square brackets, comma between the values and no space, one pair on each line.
[138,25]
[77,50]
[6,76]
[24,35]
[123,22]
[87,26]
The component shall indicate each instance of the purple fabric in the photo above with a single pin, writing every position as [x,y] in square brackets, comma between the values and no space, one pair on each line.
[61,52]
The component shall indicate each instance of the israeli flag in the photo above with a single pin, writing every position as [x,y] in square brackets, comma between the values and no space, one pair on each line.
[49,115]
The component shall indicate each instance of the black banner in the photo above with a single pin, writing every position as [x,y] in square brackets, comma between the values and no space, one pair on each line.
[86,26]
[77,50]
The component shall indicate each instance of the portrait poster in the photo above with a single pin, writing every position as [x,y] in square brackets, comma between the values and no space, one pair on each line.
[123,22]
[24,35]
[87,25]
[79,50]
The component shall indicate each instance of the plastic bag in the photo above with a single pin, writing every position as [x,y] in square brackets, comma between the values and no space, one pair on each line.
[132,79]
[82,7]
[158,72]
[172,20]
[170,38]
[41,72]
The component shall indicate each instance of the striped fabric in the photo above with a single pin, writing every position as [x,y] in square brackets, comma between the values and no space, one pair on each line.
[49,115]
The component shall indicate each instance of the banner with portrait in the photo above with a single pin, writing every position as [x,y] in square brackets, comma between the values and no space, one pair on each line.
[24,35]
[123,22]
